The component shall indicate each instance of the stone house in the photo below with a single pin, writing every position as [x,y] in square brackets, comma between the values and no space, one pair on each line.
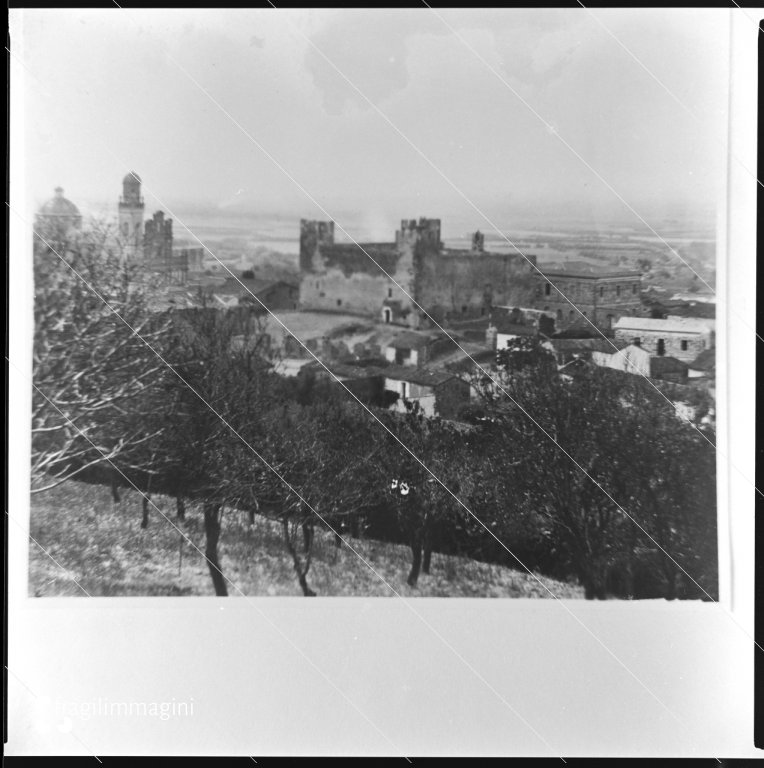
[602,294]
[681,337]
[411,348]
[439,393]
[505,331]
[637,360]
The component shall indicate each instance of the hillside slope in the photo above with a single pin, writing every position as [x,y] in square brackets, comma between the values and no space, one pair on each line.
[85,544]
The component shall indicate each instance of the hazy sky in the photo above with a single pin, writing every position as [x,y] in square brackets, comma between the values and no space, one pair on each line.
[106,92]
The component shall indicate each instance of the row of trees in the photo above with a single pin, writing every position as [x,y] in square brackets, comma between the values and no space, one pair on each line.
[592,478]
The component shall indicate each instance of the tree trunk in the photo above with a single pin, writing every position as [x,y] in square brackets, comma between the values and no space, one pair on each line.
[212,531]
[429,536]
[307,537]
[180,506]
[416,560]
[145,520]
[593,580]
[301,569]
[306,590]
[670,572]
[115,491]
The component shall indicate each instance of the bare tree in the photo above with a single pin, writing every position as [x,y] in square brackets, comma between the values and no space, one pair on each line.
[89,365]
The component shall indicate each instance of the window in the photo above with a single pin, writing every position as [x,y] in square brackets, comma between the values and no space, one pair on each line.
[634,288]
[559,314]
[403,390]
[618,290]
[339,302]
[464,309]
[389,293]
[661,347]
[602,291]
[387,315]
[547,289]
[683,345]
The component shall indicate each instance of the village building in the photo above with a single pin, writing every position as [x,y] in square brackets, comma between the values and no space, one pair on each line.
[448,284]
[502,332]
[681,337]
[637,360]
[565,350]
[262,295]
[412,348]
[580,294]
[438,393]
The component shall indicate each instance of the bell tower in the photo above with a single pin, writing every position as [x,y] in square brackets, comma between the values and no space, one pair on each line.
[131,216]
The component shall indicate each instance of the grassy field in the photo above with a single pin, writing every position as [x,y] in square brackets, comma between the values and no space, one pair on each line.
[85,544]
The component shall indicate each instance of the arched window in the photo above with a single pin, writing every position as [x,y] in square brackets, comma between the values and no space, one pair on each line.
[618,290]
[387,314]
[547,289]
[602,291]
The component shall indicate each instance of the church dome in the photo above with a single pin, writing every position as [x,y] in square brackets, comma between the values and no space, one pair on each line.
[131,179]
[59,209]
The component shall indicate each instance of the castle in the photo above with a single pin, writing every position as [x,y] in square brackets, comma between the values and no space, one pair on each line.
[448,284]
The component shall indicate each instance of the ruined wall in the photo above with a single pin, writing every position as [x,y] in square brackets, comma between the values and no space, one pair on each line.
[464,283]
[349,281]
[683,346]
[345,277]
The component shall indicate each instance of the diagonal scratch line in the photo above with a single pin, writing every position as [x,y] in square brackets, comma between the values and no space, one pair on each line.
[690,112]
[596,638]
[480,367]
[567,144]
[554,132]
[401,288]
[356,398]
[194,546]
[42,549]
[293,490]
[8,669]
[488,220]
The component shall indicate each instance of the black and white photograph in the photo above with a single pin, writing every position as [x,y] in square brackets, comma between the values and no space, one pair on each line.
[378,303]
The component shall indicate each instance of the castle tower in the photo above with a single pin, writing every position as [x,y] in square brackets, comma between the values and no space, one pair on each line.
[423,236]
[313,234]
[131,216]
